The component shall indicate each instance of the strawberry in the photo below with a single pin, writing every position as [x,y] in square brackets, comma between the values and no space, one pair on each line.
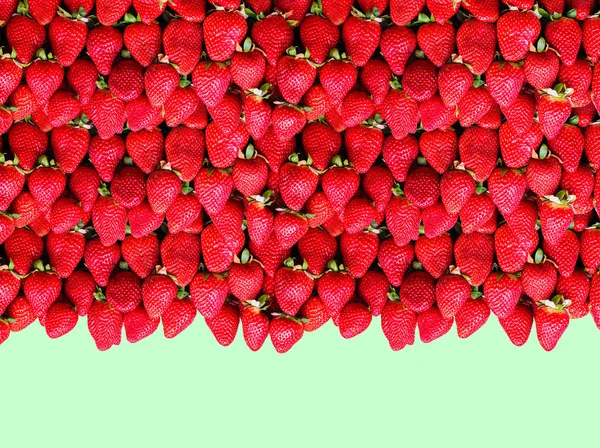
[101,260]
[285,332]
[124,291]
[437,41]
[337,12]
[539,278]
[141,114]
[289,227]
[11,77]
[432,325]
[148,10]
[590,28]
[255,325]
[361,38]
[317,247]
[568,145]
[576,289]
[556,215]
[143,220]
[363,145]
[245,279]
[589,247]
[7,227]
[436,220]
[129,186]
[27,143]
[435,254]
[9,288]
[398,324]
[223,148]
[67,39]
[476,44]
[543,175]
[472,316]
[454,80]
[420,79]
[422,187]
[504,81]
[158,292]
[474,106]
[26,36]
[565,35]
[103,45]
[41,289]
[7,8]
[298,183]
[225,324]
[397,45]
[506,188]
[314,310]
[377,184]
[287,121]
[79,288]
[104,324]
[182,42]
[551,321]
[564,253]
[358,252]
[109,219]
[211,81]
[478,150]
[140,254]
[375,77]
[12,181]
[400,113]
[356,108]
[107,113]
[111,11]
[510,252]
[139,325]
[474,255]
[337,78]
[218,257]
[518,324]
[439,149]
[592,146]
[82,76]
[143,41]
[274,149]
[180,256]
[451,294]
[319,36]
[190,10]
[335,288]
[184,210]
[418,291]
[60,319]
[218,48]
[20,310]
[177,317]
[294,76]
[355,318]
[516,33]
[65,251]
[403,219]
[184,148]
[456,187]
[46,185]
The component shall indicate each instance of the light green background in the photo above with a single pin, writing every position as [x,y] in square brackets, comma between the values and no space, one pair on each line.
[326,392]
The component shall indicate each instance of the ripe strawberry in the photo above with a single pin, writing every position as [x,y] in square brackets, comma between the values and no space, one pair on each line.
[476,44]
[255,325]
[432,325]
[223,148]
[287,121]
[337,12]
[400,113]
[437,41]
[139,325]
[568,145]
[589,247]
[565,35]
[109,219]
[10,284]
[104,324]
[126,80]
[474,105]
[107,113]
[454,80]
[576,289]
[82,76]
[398,324]
[298,183]
[510,252]
[456,188]
[294,76]
[403,219]
[516,33]
[361,38]
[539,279]
[504,81]
[590,28]
[340,185]
[472,316]
[27,143]
[314,310]
[317,247]
[60,319]
[422,187]
[182,41]
[67,39]
[220,50]
[451,294]
[103,45]
[177,317]
[158,292]
[319,36]
[285,332]
[418,291]
[65,251]
[506,188]
[12,180]
[180,254]
[564,253]
[84,184]
[124,291]
[143,41]
[11,77]
[141,114]
[358,251]
[364,145]
[335,289]
[22,314]
[245,279]
[474,255]
[79,289]
[439,149]
[420,79]
[141,254]
[289,227]
[41,290]
[218,257]
[478,150]
[224,326]
[26,36]
[354,319]
[184,148]
[551,321]
[101,260]
[7,227]
[375,77]
[377,185]
[397,45]
[435,254]
[556,215]
[46,185]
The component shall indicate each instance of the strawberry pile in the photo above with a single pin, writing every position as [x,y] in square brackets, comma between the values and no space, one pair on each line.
[280,163]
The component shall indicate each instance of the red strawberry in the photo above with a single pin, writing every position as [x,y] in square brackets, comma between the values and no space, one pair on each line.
[60,319]
[82,76]
[335,288]
[377,185]
[317,247]
[143,41]
[337,12]
[65,251]
[11,77]
[358,252]
[476,43]
[107,113]
[589,247]
[516,33]
[255,325]
[285,333]
[46,185]
[456,188]
[110,219]
[158,292]
[551,321]
[568,145]
[224,326]
[454,80]
[400,113]
[294,76]
[319,36]
[180,255]
[67,39]
[314,310]
[539,278]
[101,260]
[27,143]
[218,257]
[576,289]
[26,36]
[397,45]
[418,291]
[375,77]
[472,316]
[403,219]
[518,324]
[565,35]
[79,289]
[220,46]
[435,254]
[289,228]
[10,284]
[139,325]
[474,255]
[478,150]
[502,293]
[124,291]
[361,38]
[105,324]
[177,317]
[556,215]
[398,324]
[564,253]
[12,180]
[340,185]
[103,45]
[432,325]
[451,294]
[553,112]
[355,318]
[182,41]
[184,148]
[41,290]
[20,310]
[504,81]
[437,41]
